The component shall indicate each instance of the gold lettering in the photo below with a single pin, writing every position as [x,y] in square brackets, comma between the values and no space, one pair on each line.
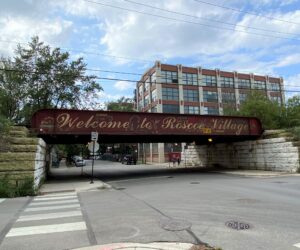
[168,122]
[80,124]
[64,119]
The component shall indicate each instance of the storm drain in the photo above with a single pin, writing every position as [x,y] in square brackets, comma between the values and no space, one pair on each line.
[195,182]
[175,225]
[237,225]
[120,188]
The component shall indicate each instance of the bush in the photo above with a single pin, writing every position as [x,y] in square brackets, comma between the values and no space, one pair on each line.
[21,188]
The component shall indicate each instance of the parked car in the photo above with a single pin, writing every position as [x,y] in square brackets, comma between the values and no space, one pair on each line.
[79,162]
[129,159]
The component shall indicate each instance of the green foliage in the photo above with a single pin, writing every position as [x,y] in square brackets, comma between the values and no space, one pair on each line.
[4,125]
[21,188]
[41,77]
[258,105]
[122,104]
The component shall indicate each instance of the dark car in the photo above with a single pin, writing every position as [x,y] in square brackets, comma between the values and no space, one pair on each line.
[129,159]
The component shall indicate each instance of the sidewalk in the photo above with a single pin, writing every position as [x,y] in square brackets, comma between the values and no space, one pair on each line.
[64,179]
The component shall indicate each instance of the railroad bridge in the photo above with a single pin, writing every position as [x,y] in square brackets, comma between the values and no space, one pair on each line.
[57,126]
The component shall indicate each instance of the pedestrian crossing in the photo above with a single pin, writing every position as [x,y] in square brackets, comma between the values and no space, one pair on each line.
[1,200]
[52,213]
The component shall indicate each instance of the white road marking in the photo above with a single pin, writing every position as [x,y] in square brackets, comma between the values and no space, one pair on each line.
[52,202]
[45,229]
[297,245]
[1,200]
[55,198]
[31,209]
[49,216]
[57,194]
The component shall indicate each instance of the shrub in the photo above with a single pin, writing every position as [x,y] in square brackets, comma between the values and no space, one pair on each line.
[21,188]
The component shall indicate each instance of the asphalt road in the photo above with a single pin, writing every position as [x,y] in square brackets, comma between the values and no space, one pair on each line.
[147,204]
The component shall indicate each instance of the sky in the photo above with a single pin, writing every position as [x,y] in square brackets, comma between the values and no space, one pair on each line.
[121,39]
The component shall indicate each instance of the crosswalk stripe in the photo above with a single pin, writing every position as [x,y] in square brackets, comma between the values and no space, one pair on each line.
[53,202]
[59,194]
[297,245]
[1,200]
[45,229]
[55,198]
[49,216]
[31,209]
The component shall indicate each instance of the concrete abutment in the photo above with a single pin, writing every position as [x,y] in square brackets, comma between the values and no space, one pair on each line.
[276,150]
[22,157]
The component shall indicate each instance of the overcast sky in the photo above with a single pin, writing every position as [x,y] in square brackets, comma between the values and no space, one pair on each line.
[259,36]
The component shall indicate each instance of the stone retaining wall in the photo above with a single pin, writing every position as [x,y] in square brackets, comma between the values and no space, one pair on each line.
[22,157]
[267,153]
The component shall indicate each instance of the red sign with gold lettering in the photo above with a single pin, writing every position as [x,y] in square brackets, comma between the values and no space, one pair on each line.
[64,121]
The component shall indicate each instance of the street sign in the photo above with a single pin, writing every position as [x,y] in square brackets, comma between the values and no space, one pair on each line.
[94,136]
[91,146]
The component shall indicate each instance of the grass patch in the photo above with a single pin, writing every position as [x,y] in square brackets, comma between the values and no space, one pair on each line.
[295,131]
[9,189]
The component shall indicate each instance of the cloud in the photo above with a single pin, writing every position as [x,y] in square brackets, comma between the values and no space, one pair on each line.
[20,29]
[123,85]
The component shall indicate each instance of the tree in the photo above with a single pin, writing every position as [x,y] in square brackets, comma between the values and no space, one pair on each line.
[292,118]
[258,105]
[122,104]
[48,79]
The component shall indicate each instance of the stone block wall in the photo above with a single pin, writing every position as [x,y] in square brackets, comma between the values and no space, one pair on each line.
[276,151]
[22,157]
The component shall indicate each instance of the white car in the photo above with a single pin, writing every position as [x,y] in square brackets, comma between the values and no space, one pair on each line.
[79,162]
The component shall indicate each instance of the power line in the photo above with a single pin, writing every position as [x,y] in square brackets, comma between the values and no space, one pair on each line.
[89,52]
[247,12]
[135,81]
[190,22]
[208,19]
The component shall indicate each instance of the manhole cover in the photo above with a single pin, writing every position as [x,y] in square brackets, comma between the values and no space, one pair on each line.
[195,182]
[120,188]
[175,225]
[237,225]
[170,177]
[279,182]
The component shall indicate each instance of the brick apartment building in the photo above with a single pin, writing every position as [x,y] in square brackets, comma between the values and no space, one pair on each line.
[186,90]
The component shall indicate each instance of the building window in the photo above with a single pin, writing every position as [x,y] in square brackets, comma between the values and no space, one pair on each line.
[169,76]
[147,100]
[153,78]
[211,111]
[243,97]
[154,109]
[227,82]
[140,105]
[276,99]
[209,80]
[191,95]
[189,79]
[191,110]
[147,85]
[228,97]
[141,90]
[170,108]
[259,85]
[172,147]
[210,96]
[273,86]
[154,95]
[170,94]
[154,148]
[244,84]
